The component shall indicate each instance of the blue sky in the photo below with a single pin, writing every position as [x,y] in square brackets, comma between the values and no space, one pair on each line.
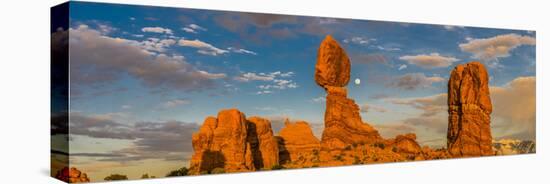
[136,68]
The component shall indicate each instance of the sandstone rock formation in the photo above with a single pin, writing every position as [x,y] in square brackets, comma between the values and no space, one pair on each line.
[222,143]
[72,175]
[333,65]
[233,143]
[297,143]
[343,124]
[469,129]
[407,144]
[264,146]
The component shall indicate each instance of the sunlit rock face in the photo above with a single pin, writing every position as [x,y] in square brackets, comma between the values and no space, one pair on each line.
[469,129]
[343,124]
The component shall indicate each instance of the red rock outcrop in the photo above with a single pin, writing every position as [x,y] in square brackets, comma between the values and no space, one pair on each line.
[343,124]
[72,175]
[297,143]
[234,143]
[406,144]
[469,129]
[333,65]
[222,143]
[264,146]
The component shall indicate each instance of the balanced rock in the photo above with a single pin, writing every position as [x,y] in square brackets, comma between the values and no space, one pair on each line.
[333,65]
[264,146]
[343,124]
[222,143]
[72,175]
[469,129]
[297,142]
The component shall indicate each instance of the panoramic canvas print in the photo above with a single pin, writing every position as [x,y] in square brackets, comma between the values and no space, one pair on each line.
[150,92]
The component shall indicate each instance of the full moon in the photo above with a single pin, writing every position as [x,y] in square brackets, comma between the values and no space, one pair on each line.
[357,81]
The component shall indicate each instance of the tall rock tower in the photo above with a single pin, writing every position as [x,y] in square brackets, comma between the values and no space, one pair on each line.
[469,129]
[343,124]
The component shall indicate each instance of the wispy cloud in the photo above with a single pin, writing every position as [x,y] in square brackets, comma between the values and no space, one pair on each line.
[203,47]
[413,81]
[433,60]
[241,51]
[495,47]
[276,81]
[157,30]
[116,56]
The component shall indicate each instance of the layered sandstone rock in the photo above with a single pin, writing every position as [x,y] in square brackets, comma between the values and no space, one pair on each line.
[72,175]
[297,144]
[333,65]
[222,143]
[407,144]
[469,130]
[343,124]
[264,146]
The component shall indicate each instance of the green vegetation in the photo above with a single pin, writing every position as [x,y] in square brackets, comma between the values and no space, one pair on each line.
[380,145]
[339,157]
[180,172]
[348,147]
[146,176]
[217,170]
[115,177]
[357,160]
[277,167]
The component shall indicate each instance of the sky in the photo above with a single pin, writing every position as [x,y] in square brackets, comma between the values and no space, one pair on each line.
[143,79]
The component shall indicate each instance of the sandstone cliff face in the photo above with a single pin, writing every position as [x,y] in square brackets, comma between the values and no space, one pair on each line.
[343,124]
[72,175]
[222,143]
[469,130]
[297,144]
[264,146]
[234,143]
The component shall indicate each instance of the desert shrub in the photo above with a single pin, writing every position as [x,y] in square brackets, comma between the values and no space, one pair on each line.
[380,145]
[348,147]
[316,152]
[180,172]
[339,157]
[277,167]
[217,170]
[356,160]
[114,177]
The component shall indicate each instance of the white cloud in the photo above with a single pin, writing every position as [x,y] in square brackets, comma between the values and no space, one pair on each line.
[357,40]
[193,28]
[114,57]
[320,99]
[155,44]
[241,51]
[433,60]
[157,30]
[204,48]
[495,47]
[254,77]
[189,30]
[402,67]
[365,108]
[275,80]
[264,92]
[174,103]
[412,81]
[196,27]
